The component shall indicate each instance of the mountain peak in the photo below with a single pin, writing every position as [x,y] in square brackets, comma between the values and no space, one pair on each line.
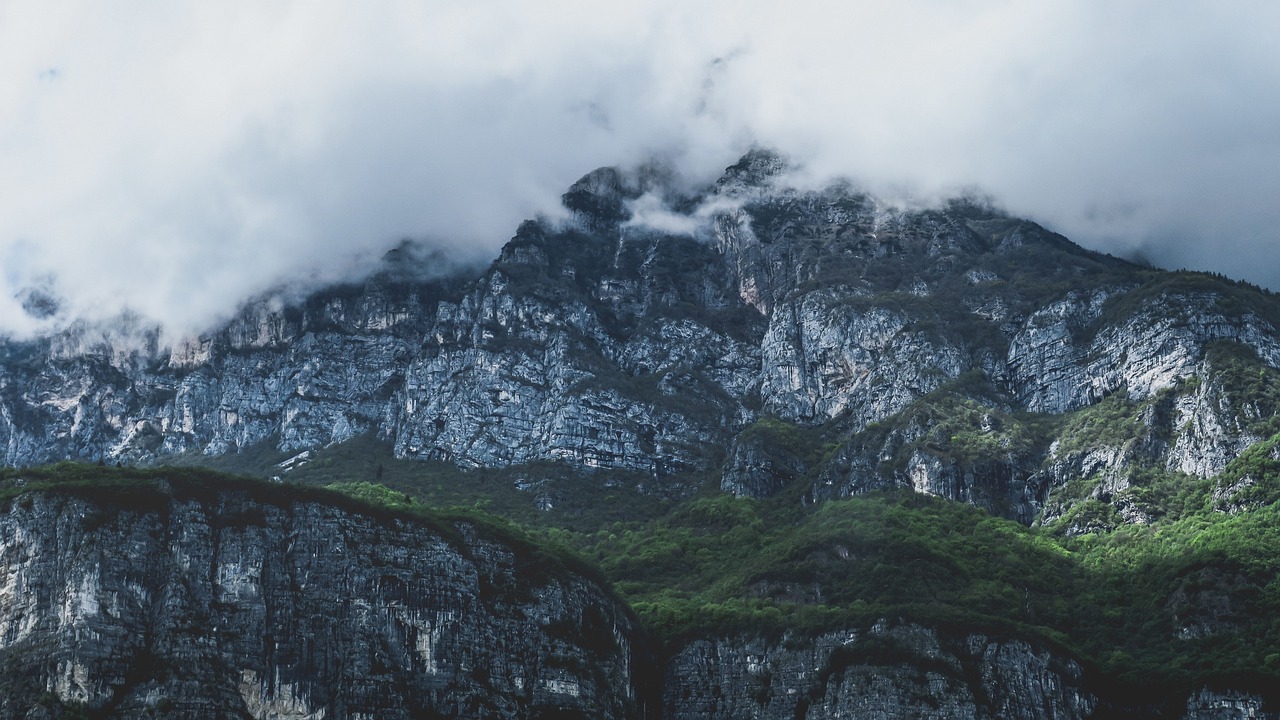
[756,169]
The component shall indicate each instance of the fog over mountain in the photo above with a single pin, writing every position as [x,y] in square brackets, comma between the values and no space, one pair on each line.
[174,158]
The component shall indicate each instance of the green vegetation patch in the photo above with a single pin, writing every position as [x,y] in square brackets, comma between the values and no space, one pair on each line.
[1108,423]
[970,432]
[721,564]
[1185,602]
[812,446]
[1167,294]
[1164,607]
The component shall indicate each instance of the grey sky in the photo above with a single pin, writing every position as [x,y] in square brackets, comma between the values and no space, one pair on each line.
[177,157]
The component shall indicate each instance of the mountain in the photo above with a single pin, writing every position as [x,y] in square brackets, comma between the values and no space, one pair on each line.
[955,350]
[748,403]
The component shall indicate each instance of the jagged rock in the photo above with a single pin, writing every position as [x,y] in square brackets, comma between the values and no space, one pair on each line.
[824,359]
[760,465]
[949,446]
[609,345]
[883,672]
[1144,353]
[953,351]
[186,603]
[1232,705]
[894,671]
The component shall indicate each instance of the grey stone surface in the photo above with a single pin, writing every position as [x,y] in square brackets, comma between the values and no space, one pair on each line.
[219,605]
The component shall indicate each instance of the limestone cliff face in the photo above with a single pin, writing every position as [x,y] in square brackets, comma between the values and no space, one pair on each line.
[605,343]
[1158,344]
[891,671]
[177,603]
[1216,705]
[879,673]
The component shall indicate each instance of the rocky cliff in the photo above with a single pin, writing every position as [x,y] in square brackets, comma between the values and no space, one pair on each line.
[889,671]
[610,342]
[879,673]
[805,345]
[190,598]
[180,594]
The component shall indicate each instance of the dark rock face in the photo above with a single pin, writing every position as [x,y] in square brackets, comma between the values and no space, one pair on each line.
[224,606]
[760,466]
[1215,705]
[880,673]
[897,671]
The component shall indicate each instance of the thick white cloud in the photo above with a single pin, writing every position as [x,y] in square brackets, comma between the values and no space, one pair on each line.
[176,157]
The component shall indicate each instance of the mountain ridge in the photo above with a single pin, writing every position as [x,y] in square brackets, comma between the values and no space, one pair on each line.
[606,344]
[756,407]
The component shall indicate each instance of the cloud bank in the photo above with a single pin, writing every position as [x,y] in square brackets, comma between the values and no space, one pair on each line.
[175,158]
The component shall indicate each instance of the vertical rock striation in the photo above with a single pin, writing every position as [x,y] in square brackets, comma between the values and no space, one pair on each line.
[186,603]
[880,673]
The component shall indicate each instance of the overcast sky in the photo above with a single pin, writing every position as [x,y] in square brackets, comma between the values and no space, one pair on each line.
[176,157]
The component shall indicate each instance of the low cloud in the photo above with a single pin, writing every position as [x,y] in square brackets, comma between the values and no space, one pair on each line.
[652,212]
[177,158]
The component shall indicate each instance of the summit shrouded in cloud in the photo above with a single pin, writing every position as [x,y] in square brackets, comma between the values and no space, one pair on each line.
[174,158]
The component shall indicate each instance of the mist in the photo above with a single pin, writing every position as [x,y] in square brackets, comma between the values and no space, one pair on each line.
[173,159]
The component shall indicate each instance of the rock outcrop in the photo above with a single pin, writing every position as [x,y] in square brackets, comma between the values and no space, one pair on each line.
[880,673]
[181,601]
[889,671]
[1217,705]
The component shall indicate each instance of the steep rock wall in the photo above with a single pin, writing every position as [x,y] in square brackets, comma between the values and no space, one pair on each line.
[880,673]
[890,671]
[605,344]
[221,605]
